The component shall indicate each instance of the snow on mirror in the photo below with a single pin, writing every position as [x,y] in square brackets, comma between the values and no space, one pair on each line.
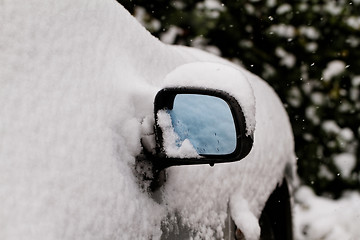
[205,121]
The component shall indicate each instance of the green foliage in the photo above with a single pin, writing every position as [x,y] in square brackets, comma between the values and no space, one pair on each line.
[308,51]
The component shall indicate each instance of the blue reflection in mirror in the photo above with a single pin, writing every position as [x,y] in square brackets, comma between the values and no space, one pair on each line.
[206,121]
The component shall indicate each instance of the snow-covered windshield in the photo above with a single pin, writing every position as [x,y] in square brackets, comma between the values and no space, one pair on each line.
[206,121]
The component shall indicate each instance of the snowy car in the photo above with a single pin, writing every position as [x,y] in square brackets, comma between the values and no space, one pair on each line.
[85,153]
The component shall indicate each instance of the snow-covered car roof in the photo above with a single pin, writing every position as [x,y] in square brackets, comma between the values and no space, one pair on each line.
[77,84]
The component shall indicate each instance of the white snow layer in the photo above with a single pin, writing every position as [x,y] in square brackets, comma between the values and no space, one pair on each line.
[186,150]
[77,80]
[319,218]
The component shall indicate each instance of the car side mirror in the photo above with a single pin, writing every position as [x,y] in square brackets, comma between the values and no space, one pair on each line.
[198,126]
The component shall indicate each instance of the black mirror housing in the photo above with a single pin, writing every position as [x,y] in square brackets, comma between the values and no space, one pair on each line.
[164,100]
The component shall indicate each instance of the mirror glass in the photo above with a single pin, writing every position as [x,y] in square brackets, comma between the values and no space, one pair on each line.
[205,121]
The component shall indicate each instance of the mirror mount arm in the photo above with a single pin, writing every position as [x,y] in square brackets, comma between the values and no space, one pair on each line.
[151,168]
[150,176]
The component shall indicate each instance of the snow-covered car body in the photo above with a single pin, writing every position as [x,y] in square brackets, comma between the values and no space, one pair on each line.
[77,84]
